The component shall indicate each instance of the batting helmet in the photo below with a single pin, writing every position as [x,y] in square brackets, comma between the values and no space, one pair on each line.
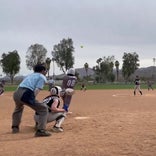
[71,71]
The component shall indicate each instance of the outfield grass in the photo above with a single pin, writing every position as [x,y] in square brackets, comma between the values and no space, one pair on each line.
[90,87]
[113,86]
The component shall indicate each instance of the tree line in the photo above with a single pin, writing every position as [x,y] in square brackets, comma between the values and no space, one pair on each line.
[63,55]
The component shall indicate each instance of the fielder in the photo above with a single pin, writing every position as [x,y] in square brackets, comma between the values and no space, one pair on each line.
[2,83]
[83,87]
[137,85]
[149,85]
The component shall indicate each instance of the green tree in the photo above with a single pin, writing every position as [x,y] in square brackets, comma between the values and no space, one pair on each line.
[117,69]
[63,54]
[130,64]
[98,61]
[48,62]
[36,54]
[104,69]
[10,64]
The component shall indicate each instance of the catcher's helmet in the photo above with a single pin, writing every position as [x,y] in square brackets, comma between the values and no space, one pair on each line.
[71,71]
[56,90]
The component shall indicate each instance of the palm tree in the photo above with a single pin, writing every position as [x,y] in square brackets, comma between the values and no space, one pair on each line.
[117,69]
[154,60]
[99,61]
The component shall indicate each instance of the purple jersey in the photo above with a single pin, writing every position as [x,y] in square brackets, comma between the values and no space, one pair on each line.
[69,82]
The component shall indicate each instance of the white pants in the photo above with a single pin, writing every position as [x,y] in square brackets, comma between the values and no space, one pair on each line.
[137,87]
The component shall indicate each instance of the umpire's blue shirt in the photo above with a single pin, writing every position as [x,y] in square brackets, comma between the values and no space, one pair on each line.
[33,81]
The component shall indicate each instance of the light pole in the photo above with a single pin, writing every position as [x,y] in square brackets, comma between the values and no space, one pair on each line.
[53,59]
[154,60]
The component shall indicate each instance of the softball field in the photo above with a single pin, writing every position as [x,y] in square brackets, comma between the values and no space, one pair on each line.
[103,123]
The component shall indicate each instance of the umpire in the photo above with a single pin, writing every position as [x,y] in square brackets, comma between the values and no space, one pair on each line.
[26,95]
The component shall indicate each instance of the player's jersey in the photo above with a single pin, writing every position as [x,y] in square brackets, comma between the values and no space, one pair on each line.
[49,101]
[137,81]
[69,82]
[1,85]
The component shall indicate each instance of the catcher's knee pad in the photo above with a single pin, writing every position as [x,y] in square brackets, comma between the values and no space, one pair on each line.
[60,117]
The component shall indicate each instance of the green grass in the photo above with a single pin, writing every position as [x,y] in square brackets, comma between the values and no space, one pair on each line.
[10,87]
[113,86]
[91,87]
[107,86]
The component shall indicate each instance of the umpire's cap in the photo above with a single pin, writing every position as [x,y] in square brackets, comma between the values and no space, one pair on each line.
[39,67]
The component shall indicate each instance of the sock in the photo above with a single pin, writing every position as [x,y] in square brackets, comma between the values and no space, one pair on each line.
[59,122]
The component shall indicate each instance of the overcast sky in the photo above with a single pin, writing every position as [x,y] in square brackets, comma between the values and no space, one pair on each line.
[103,27]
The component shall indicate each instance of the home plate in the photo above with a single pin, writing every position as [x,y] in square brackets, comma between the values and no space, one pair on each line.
[81,117]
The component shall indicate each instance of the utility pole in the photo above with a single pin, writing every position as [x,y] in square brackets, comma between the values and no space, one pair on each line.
[154,60]
[53,59]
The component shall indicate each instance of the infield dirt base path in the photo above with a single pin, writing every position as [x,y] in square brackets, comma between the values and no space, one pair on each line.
[103,123]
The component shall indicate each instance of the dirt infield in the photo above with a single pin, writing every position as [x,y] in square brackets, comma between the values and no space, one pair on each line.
[103,123]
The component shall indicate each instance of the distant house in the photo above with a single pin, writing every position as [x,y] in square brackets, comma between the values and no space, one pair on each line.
[81,71]
[146,73]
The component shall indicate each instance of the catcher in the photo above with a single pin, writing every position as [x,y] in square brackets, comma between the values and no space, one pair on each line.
[149,85]
[55,113]
[69,81]
[2,83]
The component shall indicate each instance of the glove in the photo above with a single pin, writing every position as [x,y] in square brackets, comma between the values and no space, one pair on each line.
[65,107]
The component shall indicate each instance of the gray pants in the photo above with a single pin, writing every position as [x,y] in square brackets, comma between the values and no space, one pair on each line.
[53,116]
[137,87]
[40,108]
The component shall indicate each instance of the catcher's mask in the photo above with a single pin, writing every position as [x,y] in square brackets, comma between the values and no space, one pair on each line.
[56,90]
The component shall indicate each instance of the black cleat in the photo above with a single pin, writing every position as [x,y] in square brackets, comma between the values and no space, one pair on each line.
[42,133]
[15,129]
